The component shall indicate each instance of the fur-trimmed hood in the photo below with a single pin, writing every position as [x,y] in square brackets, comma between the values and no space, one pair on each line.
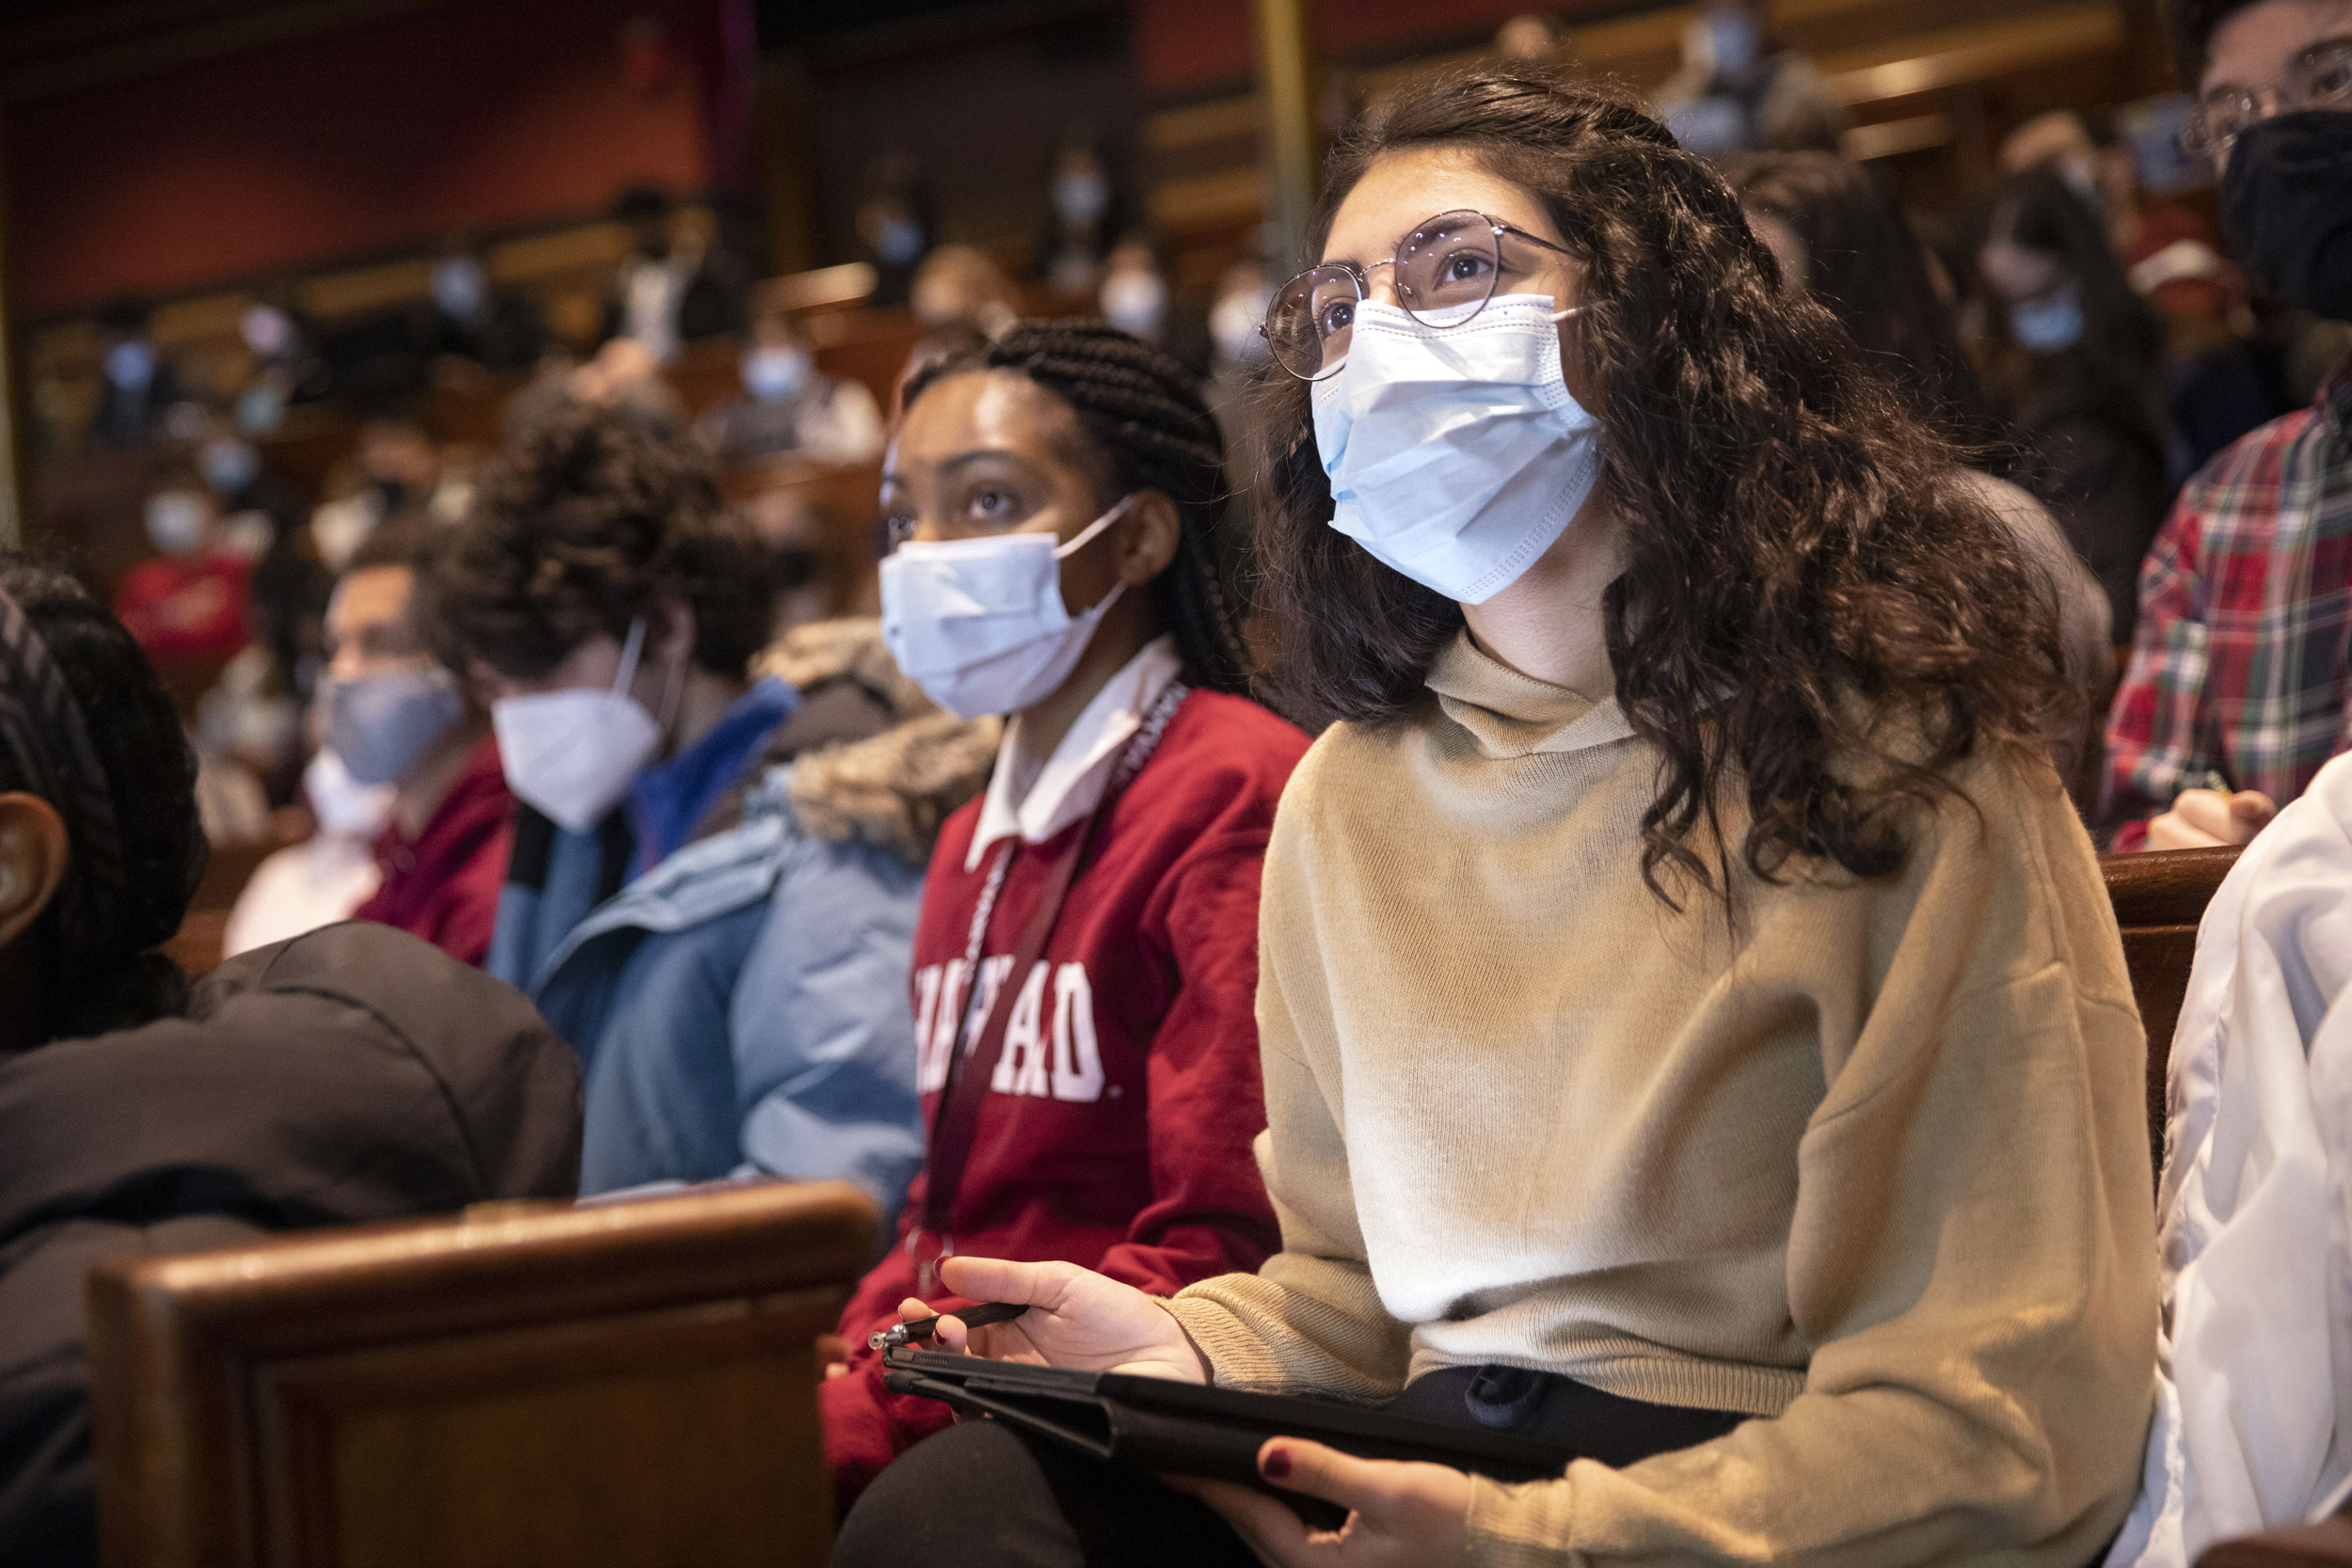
[871,757]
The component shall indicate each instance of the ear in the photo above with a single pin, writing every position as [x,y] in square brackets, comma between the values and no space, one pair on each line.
[1148,537]
[33,853]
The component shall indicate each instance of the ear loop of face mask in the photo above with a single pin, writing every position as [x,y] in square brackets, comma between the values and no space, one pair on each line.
[674,689]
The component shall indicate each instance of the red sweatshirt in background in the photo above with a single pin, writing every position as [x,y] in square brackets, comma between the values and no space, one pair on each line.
[443,886]
[1118,1130]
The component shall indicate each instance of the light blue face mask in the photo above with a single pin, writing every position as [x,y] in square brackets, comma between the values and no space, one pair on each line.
[382,726]
[1456,456]
[2050,325]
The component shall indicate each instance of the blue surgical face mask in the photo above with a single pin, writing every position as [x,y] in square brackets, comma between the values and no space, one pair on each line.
[131,363]
[459,288]
[900,242]
[2050,325]
[1735,41]
[1456,456]
[773,375]
[383,725]
[228,466]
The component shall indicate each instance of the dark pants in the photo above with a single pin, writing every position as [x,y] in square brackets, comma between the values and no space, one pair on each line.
[981,1494]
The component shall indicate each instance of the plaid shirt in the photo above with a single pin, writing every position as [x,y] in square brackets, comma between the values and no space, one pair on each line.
[2240,665]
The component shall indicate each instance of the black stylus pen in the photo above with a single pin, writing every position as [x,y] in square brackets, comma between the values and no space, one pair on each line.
[973,1317]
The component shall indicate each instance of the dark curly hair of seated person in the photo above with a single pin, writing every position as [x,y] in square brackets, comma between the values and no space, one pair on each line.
[585,523]
[89,729]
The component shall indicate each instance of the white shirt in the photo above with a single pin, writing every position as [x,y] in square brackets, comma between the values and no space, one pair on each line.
[1072,782]
[2253,1423]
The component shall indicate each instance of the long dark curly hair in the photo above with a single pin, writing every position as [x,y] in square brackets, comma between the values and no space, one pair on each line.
[1144,415]
[1800,566]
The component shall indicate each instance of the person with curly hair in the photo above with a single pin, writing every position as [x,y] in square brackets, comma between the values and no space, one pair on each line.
[348,1075]
[1694,1032]
[1085,966]
[715,871]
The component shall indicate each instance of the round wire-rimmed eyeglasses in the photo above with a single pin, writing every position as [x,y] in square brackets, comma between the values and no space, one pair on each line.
[1445,271]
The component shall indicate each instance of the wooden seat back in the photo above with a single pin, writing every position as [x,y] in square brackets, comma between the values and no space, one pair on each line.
[2159,896]
[524,1386]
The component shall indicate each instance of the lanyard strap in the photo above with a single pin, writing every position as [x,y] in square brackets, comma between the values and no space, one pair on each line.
[956,1125]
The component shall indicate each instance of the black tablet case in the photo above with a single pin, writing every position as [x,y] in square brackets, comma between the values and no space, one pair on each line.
[1188,1430]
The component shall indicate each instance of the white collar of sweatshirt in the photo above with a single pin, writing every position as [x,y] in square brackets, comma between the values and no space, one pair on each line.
[2253,1420]
[1073,780]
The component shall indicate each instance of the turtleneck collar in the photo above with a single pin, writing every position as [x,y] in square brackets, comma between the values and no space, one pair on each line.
[1512,715]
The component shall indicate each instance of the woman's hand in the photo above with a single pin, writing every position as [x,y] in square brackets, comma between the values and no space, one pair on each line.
[1402,1515]
[1076,1318]
[2208,819]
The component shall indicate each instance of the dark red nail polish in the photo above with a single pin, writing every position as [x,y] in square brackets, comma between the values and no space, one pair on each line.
[1276,1465]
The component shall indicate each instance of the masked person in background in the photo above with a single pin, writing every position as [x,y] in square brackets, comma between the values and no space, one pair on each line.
[186,603]
[468,317]
[1134,296]
[396,720]
[346,1076]
[139,384]
[1694,1031]
[1087,957]
[788,406]
[2240,682]
[327,875]
[614,611]
[1739,90]
[1840,240]
[2081,358]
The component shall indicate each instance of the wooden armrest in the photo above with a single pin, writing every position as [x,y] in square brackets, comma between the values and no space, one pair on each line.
[2325,1544]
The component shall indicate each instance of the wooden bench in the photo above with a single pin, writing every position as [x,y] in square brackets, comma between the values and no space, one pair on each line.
[632,1384]
[2159,898]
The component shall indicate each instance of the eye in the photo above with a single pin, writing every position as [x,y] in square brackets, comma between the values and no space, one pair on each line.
[898,527]
[1335,317]
[1466,265]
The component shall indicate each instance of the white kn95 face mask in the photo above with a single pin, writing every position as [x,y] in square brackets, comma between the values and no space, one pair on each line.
[572,754]
[980,623]
[1456,455]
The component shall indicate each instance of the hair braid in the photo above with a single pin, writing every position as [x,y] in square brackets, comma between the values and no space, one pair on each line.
[1143,411]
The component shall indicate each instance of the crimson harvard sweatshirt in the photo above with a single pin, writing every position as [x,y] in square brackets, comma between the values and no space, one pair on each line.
[1118,1126]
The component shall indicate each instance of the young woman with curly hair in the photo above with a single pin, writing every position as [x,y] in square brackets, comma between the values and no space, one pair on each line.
[1694,1030]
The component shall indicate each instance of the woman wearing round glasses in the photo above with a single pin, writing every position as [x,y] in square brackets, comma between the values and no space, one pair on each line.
[1694,1030]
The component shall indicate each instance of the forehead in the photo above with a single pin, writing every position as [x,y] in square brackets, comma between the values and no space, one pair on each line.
[986,411]
[2254,45]
[1400,189]
[366,597]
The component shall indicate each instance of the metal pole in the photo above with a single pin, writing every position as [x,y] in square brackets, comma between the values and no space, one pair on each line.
[1293,150]
[16,471]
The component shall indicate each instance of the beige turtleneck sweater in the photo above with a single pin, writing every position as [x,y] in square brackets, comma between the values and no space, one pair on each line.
[1866,1159]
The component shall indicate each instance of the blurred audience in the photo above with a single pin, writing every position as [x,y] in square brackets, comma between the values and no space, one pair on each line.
[469,317]
[787,406]
[673,288]
[1134,296]
[1078,197]
[893,225]
[1742,91]
[1528,39]
[346,1076]
[2238,688]
[396,719]
[325,877]
[1839,238]
[2081,357]
[186,603]
[140,387]
[961,283]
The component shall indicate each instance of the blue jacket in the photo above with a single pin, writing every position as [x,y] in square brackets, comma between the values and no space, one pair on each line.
[743,1007]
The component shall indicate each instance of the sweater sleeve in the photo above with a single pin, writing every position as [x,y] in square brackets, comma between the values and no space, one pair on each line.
[1311,1320]
[1208,1214]
[1972,1258]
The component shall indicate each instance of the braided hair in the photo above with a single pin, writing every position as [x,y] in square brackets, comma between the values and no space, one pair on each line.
[1145,416]
[86,726]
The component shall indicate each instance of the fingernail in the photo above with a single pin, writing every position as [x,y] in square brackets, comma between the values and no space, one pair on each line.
[1276,1465]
